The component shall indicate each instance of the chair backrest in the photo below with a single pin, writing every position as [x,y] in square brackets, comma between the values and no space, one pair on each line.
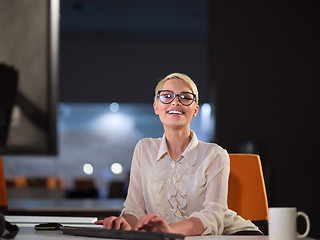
[247,193]
[3,190]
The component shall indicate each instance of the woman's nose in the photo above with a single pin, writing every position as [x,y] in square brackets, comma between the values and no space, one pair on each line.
[176,100]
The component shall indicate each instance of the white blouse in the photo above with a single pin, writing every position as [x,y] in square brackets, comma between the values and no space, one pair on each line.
[196,185]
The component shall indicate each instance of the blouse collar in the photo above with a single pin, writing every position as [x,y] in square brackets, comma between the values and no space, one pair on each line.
[190,154]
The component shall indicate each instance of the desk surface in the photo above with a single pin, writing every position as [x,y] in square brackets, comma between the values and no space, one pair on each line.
[27,231]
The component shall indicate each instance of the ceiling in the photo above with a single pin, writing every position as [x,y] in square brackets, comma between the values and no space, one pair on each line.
[134,17]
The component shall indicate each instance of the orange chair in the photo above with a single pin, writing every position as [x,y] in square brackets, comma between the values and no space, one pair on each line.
[3,190]
[247,193]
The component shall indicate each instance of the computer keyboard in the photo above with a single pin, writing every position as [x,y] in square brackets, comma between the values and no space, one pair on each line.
[118,234]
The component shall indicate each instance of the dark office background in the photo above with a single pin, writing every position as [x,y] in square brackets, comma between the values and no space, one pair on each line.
[261,72]
[257,62]
[267,72]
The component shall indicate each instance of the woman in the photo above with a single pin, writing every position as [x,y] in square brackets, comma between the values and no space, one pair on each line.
[178,184]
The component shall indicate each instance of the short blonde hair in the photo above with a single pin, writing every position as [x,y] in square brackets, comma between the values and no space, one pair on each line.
[181,76]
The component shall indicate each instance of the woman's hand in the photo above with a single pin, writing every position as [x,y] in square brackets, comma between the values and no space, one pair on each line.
[114,223]
[153,223]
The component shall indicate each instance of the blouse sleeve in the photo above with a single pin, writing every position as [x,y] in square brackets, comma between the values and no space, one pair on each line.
[134,203]
[215,204]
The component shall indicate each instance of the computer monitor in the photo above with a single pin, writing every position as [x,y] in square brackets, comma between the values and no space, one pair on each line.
[28,76]
[3,191]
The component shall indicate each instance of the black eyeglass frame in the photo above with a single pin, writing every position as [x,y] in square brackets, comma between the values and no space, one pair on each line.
[176,95]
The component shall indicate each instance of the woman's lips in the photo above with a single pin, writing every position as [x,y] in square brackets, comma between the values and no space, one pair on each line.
[175,112]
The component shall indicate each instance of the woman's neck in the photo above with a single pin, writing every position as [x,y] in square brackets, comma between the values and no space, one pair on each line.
[177,141]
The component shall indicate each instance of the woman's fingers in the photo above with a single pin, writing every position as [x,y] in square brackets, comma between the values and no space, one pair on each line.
[114,223]
[153,222]
[121,223]
[158,224]
[117,223]
[144,221]
[108,222]
[99,222]
[149,222]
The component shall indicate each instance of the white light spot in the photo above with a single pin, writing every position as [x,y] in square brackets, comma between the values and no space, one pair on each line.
[206,124]
[114,122]
[116,168]
[88,168]
[114,107]
[206,109]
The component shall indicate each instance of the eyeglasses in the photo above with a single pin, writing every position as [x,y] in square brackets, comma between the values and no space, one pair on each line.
[185,98]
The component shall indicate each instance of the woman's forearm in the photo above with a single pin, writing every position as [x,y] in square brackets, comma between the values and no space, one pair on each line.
[190,227]
[132,220]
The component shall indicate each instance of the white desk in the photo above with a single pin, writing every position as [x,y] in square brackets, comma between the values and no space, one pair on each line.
[27,231]
[31,221]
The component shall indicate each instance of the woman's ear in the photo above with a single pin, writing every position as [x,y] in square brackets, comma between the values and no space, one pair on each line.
[155,107]
[196,110]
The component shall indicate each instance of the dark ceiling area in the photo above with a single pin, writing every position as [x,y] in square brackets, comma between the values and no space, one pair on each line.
[112,50]
[134,17]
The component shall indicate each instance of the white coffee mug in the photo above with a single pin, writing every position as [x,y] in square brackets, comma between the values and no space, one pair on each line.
[283,224]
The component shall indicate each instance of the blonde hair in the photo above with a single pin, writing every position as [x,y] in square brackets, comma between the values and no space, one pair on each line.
[181,76]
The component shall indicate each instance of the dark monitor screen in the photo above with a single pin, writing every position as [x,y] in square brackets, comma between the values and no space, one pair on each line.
[28,76]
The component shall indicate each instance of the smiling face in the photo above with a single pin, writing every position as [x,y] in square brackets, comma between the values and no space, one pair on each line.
[175,114]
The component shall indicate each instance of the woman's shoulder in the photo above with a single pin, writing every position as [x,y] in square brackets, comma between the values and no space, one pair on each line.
[212,147]
[147,149]
[149,143]
[214,151]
